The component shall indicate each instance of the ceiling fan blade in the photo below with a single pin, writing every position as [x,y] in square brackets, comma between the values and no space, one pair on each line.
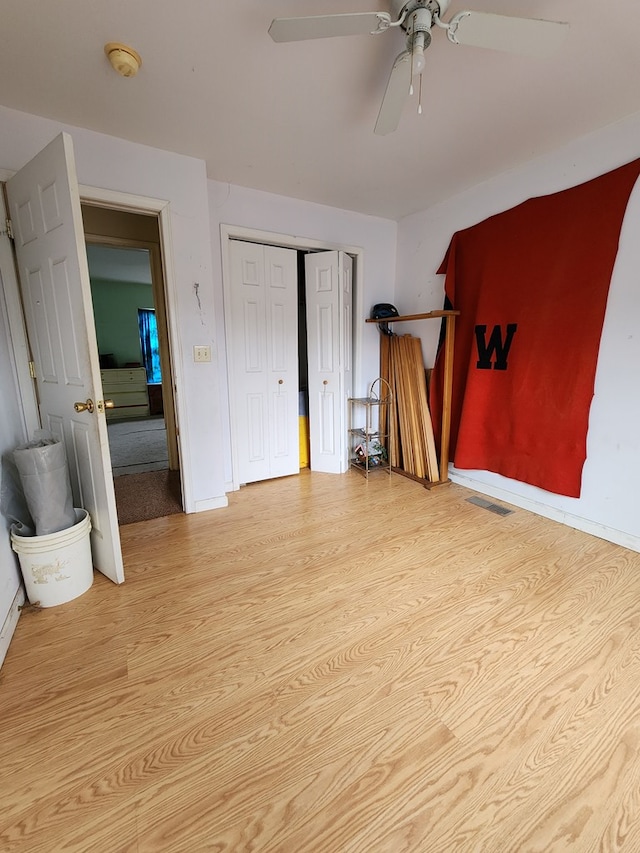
[526,36]
[327,26]
[395,95]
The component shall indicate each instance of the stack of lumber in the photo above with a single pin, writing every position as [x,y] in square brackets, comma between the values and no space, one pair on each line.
[412,448]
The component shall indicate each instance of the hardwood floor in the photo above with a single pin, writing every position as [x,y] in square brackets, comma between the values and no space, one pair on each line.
[332,665]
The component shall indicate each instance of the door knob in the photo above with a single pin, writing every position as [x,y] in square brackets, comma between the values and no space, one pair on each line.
[105,404]
[325,382]
[84,407]
[280,381]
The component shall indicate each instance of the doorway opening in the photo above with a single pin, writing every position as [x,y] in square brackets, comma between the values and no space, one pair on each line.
[128,292]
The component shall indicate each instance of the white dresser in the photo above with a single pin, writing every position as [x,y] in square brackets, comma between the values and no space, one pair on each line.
[127,387]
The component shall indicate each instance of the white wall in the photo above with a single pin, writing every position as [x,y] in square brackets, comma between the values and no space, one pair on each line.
[113,164]
[238,206]
[608,502]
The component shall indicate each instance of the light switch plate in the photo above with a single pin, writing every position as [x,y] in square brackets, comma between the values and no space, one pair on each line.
[202,353]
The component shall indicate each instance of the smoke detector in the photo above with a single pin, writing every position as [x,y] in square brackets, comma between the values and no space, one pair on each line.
[124,59]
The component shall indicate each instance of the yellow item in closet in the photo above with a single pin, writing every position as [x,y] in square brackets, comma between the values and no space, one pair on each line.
[303,432]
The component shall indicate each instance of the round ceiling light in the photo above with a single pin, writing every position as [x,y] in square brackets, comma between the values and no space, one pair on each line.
[124,59]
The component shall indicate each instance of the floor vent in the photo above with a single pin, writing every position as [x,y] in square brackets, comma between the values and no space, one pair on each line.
[485,504]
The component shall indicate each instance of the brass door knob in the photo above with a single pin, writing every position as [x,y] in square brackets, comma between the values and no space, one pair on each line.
[101,405]
[280,381]
[325,382]
[84,407]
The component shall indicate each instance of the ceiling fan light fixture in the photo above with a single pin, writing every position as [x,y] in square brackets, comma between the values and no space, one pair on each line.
[417,55]
[419,38]
[124,59]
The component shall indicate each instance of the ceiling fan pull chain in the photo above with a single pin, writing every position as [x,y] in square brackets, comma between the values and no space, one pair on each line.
[420,96]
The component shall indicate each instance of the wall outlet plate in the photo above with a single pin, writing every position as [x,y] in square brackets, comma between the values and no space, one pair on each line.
[202,353]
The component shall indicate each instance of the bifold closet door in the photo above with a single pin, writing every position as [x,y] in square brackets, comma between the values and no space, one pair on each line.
[264,359]
[329,298]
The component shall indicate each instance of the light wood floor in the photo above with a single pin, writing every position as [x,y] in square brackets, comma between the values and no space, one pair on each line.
[337,666]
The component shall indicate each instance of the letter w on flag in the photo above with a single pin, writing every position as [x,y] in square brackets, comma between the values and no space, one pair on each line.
[496,346]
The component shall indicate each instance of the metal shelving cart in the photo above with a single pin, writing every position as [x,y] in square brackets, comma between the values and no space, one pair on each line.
[368,445]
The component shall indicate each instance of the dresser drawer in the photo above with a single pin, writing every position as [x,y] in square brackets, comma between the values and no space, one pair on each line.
[129,398]
[127,412]
[127,387]
[124,376]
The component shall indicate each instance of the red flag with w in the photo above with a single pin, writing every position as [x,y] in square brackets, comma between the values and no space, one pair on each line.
[531,285]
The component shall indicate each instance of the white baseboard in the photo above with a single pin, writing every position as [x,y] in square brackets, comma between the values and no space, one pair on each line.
[10,623]
[211,503]
[617,537]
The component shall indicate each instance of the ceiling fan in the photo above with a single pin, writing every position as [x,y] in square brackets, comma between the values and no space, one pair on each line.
[417,18]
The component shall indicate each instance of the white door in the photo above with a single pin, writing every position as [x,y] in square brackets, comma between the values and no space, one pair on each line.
[264,356]
[44,207]
[329,297]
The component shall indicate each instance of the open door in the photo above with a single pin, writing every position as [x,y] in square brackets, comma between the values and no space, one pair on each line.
[44,204]
[329,295]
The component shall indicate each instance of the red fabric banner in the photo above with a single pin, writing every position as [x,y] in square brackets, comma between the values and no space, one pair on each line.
[531,285]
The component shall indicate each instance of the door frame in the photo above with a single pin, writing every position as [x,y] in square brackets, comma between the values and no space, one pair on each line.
[286,241]
[130,203]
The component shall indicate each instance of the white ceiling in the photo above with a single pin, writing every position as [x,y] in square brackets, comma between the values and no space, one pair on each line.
[111,263]
[297,119]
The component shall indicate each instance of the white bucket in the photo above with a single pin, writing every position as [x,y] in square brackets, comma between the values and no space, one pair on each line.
[56,568]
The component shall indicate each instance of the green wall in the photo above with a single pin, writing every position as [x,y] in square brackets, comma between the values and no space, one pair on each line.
[115,308]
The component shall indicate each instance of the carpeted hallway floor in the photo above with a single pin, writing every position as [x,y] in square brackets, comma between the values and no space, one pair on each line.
[152,494]
[144,486]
